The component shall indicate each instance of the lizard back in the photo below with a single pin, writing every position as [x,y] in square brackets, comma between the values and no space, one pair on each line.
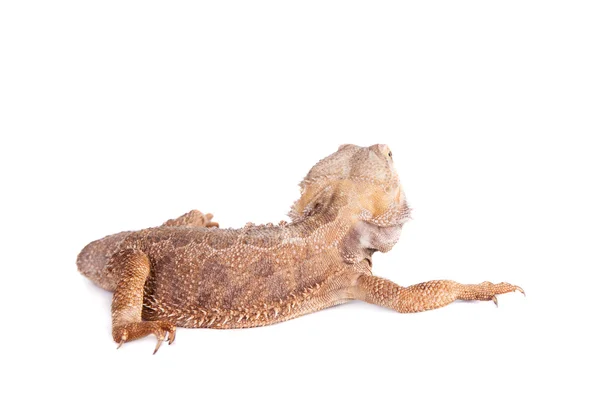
[199,272]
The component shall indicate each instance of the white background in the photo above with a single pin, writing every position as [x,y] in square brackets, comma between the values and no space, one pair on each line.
[120,115]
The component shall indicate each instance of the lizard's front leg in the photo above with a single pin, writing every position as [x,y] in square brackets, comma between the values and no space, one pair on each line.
[427,295]
[133,267]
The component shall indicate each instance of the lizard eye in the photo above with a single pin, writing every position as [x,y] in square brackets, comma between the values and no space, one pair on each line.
[390,154]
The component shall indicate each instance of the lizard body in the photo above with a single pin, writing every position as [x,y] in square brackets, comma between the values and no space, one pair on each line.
[190,273]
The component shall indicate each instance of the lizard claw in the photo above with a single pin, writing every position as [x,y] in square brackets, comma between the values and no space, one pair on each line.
[164,333]
[123,340]
[495,300]
[171,336]
[158,344]
[488,291]
[514,289]
[163,330]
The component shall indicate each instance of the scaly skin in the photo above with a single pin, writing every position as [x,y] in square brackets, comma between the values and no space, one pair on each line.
[189,273]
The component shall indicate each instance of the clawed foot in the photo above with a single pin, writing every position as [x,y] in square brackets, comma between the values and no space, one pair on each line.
[208,221]
[161,329]
[193,218]
[488,291]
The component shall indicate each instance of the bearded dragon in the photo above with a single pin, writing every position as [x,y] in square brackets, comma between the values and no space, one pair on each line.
[189,273]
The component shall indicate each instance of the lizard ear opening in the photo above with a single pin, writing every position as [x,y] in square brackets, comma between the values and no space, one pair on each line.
[313,200]
[314,209]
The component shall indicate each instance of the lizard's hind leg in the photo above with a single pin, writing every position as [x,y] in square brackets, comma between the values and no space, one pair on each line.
[133,267]
[193,218]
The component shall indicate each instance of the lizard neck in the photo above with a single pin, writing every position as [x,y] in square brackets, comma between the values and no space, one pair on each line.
[342,212]
[339,227]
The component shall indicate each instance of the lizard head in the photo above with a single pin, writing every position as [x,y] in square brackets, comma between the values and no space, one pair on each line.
[361,185]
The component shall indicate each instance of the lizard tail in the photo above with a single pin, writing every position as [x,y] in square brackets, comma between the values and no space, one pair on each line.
[92,261]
